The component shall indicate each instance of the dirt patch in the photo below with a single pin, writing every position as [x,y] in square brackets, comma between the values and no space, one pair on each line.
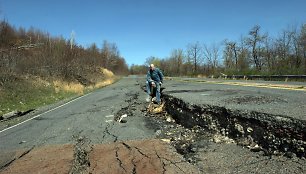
[6,158]
[49,159]
[148,156]
[143,156]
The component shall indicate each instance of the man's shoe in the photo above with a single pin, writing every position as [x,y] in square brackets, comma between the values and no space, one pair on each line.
[153,99]
[148,99]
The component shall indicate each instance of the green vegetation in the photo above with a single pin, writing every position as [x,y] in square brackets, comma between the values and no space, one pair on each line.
[28,93]
[23,96]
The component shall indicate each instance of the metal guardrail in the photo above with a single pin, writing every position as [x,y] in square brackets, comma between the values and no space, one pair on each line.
[266,77]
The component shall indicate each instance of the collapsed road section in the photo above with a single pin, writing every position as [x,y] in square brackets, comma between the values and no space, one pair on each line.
[272,134]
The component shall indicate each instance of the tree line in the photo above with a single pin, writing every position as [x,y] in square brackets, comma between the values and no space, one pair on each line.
[256,53]
[37,53]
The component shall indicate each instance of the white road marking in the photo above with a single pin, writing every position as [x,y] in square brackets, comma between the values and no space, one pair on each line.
[107,121]
[107,116]
[205,94]
[43,113]
[106,109]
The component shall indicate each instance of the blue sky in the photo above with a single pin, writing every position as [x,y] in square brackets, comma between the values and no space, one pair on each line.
[144,28]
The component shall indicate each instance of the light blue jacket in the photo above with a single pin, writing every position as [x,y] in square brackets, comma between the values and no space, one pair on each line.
[155,75]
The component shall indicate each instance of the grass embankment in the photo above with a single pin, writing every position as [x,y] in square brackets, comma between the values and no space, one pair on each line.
[30,92]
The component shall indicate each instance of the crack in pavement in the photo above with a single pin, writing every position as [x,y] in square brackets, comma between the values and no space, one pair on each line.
[107,132]
[17,158]
[126,145]
[81,161]
[133,160]
[130,148]
[134,166]
[170,162]
[139,151]
[118,159]
[160,159]
[130,108]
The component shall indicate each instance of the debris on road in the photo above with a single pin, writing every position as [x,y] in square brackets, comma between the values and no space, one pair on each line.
[10,114]
[14,114]
[274,134]
[21,142]
[121,117]
[81,161]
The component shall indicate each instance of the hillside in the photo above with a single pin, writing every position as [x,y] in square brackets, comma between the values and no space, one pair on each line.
[37,69]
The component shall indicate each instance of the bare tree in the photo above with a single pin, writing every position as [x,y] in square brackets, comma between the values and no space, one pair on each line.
[255,40]
[194,52]
[303,44]
[187,66]
[232,53]
[7,35]
[268,54]
[283,48]
[228,57]
[34,52]
[297,48]
[211,54]
[153,60]
[177,57]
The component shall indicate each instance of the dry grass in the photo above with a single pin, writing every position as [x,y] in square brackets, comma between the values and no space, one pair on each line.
[72,87]
[109,78]
[37,81]
[107,73]
[78,88]
[68,87]
[201,76]
[28,91]
[104,83]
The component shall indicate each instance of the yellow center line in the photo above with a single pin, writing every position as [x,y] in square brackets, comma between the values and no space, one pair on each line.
[259,85]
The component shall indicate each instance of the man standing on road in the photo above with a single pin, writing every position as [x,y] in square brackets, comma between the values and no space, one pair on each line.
[154,78]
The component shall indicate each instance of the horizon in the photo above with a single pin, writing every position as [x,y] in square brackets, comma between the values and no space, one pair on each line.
[142,29]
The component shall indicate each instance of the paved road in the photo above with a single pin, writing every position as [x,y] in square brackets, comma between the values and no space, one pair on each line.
[83,135]
[279,98]
[91,116]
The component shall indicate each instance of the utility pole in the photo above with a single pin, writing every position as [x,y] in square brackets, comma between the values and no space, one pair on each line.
[72,37]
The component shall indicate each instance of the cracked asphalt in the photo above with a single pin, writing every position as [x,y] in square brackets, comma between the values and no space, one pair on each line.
[91,116]
[260,96]
[84,136]
[89,130]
